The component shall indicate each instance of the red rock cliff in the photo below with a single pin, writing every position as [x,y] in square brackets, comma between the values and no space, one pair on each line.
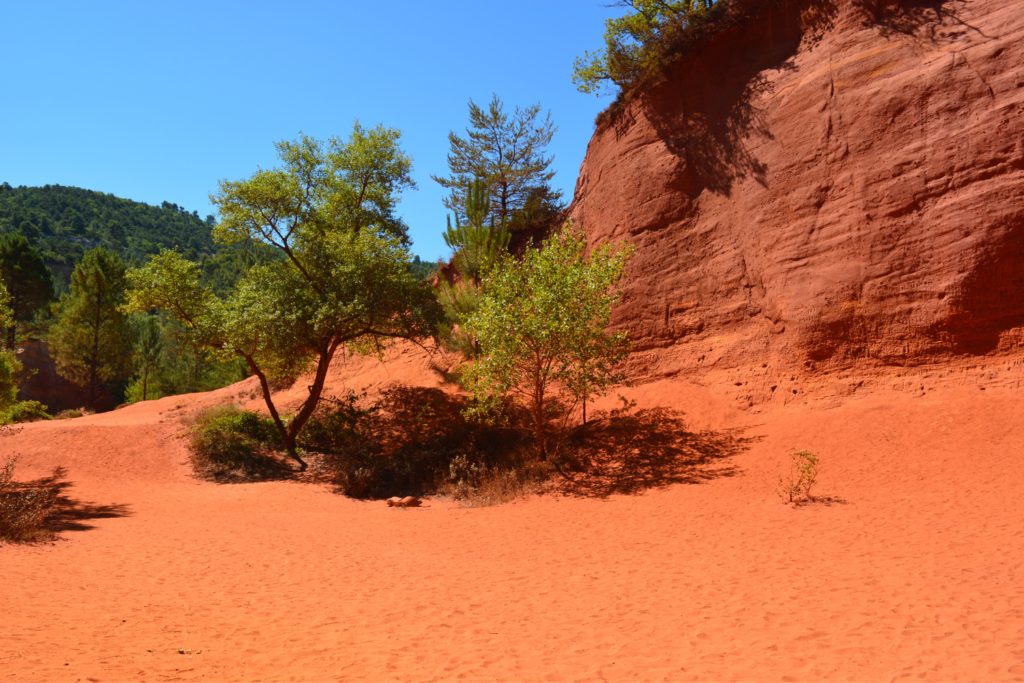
[822,198]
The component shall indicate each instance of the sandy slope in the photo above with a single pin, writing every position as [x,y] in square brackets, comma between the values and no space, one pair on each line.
[916,577]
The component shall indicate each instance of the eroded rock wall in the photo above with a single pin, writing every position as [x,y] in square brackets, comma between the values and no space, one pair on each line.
[826,195]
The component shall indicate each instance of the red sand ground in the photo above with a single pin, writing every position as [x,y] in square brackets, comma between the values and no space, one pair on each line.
[916,577]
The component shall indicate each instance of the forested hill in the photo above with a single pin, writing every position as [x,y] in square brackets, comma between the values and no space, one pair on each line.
[64,221]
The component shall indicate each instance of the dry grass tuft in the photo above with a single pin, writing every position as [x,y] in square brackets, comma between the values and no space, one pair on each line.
[24,510]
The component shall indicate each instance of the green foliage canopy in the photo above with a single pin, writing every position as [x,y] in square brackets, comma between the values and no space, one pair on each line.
[508,150]
[354,182]
[541,327]
[27,280]
[92,339]
[9,365]
[345,282]
[638,45]
[65,222]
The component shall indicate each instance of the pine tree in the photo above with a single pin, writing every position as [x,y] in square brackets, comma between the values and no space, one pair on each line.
[147,351]
[477,246]
[506,148]
[475,243]
[92,338]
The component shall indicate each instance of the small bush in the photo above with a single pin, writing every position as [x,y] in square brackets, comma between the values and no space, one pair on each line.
[416,441]
[24,510]
[803,475]
[72,413]
[25,411]
[230,444]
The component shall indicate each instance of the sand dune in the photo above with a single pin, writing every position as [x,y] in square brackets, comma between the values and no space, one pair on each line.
[917,576]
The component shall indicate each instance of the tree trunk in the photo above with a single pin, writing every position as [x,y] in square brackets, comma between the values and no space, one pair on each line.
[538,414]
[282,430]
[95,361]
[145,382]
[315,389]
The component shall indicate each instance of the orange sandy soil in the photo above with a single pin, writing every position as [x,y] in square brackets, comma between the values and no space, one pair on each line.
[917,576]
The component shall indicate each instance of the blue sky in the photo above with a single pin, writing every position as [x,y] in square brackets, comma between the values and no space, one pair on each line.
[157,101]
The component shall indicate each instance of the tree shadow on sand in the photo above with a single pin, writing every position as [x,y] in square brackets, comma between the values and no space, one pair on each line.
[629,454]
[933,21]
[72,514]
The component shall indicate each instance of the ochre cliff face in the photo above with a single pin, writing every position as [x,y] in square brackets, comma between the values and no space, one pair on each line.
[825,197]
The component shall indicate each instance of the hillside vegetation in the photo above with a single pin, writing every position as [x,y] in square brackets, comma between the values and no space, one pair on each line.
[65,222]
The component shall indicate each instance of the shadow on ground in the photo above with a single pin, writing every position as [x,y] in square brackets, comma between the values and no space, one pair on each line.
[629,454]
[71,514]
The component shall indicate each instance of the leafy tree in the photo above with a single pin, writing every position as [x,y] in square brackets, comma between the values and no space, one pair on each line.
[345,281]
[541,329]
[92,339]
[148,350]
[639,44]
[72,222]
[507,149]
[373,171]
[27,279]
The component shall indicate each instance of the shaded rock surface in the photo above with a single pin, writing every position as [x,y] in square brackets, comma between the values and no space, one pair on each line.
[828,196]
[48,387]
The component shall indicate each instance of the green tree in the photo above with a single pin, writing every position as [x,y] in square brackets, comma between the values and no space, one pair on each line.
[10,368]
[27,279]
[475,246]
[92,339]
[541,329]
[507,149]
[30,231]
[345,281]
[148,350]
[639,44]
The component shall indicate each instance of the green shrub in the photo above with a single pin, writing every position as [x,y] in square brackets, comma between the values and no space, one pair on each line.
[230,444]
[24,510]
[642,42]
[25,411]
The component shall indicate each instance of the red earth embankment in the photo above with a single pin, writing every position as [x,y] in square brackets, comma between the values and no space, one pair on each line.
[824,200]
